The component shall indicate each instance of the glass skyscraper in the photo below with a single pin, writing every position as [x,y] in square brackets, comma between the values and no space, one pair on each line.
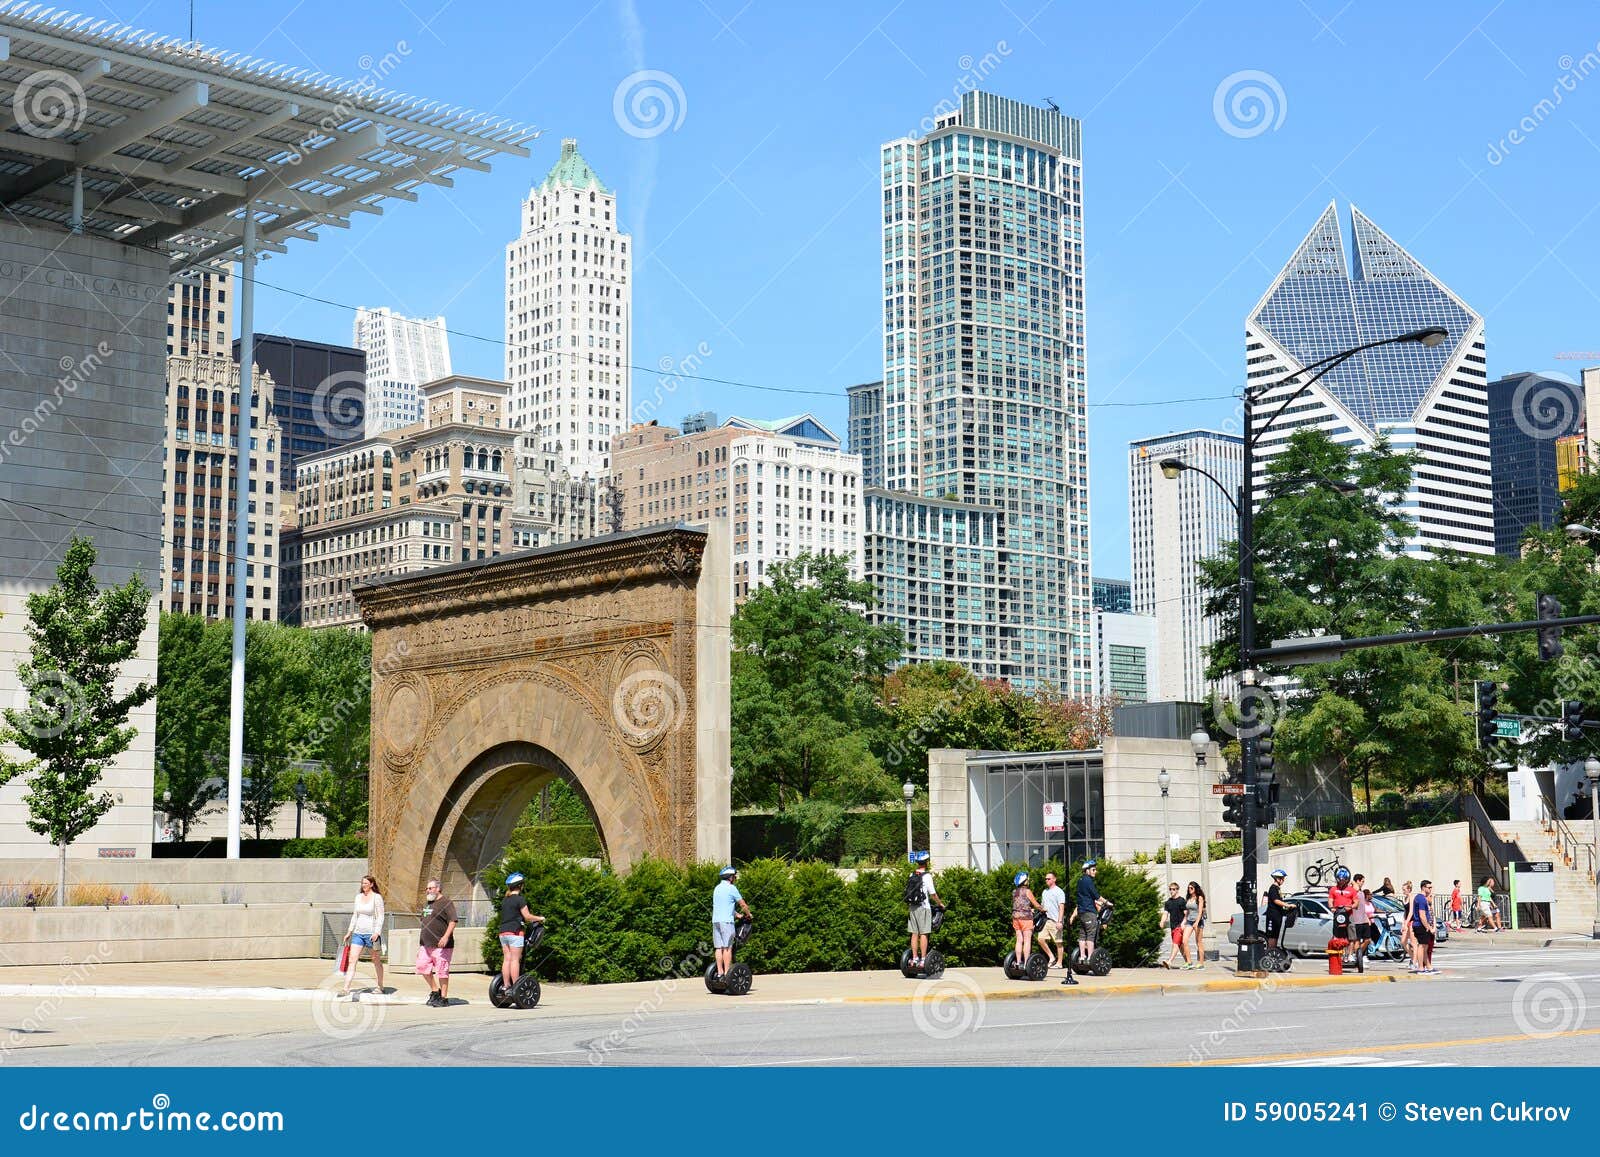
[1428,400]
[983,390]
[1529,416]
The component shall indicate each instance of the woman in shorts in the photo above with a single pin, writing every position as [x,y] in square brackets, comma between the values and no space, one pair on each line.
[1023,905]
[365,931]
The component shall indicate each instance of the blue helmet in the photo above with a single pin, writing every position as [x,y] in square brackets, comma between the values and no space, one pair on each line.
[1087,864]
[1279,874]
[1019,879]
[514,879]
[727,872]
[919,857]
[1342,875]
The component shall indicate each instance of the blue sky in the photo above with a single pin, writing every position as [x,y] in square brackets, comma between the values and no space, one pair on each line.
[755,211]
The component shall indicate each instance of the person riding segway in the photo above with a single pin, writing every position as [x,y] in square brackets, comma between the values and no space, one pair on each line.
[1280,915]
[1023,962]
[924,914]
[520,930]
[727,930]
[1099,962]
[1342,901]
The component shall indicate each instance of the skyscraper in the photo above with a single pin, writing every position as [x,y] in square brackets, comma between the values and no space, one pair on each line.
[866,429]
[569,319]
[1427,400]
[199,315]
[319,395]
[983,392]
[1173,524]
[1529,415]
[403,354]
[1113,595]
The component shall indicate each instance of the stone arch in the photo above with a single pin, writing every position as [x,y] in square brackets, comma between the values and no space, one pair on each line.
[604,663]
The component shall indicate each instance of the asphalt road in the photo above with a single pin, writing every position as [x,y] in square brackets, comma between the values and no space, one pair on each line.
[1494,1006]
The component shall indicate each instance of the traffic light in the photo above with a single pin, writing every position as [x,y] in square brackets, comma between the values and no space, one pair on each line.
[1267,802]
[1549,637]
[1487,712]
[1233,810]
[1571,720]
[1264,750]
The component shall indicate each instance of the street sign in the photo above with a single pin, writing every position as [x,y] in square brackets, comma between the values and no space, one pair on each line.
[1508,728]
[1055,817]
[1229,834]
[1227,789]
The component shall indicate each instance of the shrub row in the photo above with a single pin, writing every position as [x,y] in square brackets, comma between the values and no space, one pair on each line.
[875,837]
[582,840]
[656,920]
[326,848]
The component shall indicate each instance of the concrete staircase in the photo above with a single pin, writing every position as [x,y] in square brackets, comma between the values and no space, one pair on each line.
[1533,840]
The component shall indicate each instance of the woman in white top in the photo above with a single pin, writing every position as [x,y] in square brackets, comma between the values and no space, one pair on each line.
[366,930]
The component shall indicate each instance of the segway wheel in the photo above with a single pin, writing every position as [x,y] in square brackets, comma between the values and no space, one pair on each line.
[711,977]
[1100,963]
[526,992]
[1010,966]
[933,964]
[498,996]
[1038,966]
[740,978]
[905,964]
[1075,962]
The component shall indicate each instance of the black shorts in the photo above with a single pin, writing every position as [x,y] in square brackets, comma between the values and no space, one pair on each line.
[1421,934]
[1274,929]
[1366,931]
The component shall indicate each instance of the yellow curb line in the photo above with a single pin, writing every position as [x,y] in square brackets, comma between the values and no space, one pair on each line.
[1085,990]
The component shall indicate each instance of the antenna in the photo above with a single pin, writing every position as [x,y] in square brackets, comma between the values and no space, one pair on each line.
[1054,107]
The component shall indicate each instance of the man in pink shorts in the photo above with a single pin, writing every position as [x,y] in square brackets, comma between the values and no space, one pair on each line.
[437,943]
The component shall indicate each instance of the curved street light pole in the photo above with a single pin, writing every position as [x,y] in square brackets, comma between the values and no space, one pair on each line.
[1250,941]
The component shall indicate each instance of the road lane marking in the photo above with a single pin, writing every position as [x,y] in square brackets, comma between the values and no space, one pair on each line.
[1464,1042]
[793,1061]
[1260,1028]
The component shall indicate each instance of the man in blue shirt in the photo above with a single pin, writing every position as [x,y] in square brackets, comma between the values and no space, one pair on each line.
[1089,904]
[724,899]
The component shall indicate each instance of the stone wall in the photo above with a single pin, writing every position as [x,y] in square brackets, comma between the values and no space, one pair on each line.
[82,386]
[326,883]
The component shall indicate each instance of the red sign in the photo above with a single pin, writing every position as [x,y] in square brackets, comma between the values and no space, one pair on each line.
[1227,789]
[1055,817]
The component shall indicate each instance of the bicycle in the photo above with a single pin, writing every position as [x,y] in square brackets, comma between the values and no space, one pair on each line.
[1325,867]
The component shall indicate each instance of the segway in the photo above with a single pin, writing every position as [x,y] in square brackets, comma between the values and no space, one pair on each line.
[1100,963]
[526,992]
[1038,964]
[932,964]
[737,980]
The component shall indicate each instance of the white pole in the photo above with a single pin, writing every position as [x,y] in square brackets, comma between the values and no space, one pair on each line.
[76,224]
[1205,839]
[1166,832]
[241,526]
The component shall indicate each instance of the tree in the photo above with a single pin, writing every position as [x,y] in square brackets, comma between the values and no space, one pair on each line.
[191,716]
[75,724]
[806,662]
[340,710]
[1331,560]
[278,660]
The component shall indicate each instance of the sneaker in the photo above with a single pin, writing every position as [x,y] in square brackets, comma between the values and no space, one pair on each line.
[433,1000]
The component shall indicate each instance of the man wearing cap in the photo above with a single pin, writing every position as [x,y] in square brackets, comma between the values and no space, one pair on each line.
[1088,914]
[1277,906]
[919,918]
[514,916]
[724,899]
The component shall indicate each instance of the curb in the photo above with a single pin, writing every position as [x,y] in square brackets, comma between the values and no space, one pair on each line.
[1085,991]
[171,992]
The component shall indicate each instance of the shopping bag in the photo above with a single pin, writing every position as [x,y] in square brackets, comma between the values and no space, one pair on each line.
[344,959]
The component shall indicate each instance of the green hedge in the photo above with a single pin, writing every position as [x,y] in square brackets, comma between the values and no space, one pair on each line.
[876,837]
[326,848]
[656,920]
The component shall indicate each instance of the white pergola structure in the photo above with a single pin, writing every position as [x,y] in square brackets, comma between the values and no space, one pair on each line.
[212,157]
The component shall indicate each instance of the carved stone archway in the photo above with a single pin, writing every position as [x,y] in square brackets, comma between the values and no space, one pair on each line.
[604,663]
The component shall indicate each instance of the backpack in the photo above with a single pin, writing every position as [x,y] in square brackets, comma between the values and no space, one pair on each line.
[914,888]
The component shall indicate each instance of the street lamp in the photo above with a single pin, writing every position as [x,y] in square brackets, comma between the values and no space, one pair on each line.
[1431,336]
[1164,780]
[299,802]
[1591,772]
[1201,742]
[909,790]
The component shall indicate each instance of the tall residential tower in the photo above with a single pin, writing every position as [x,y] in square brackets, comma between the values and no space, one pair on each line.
[403,355]
[1431,401]
[569,316]
[983,391]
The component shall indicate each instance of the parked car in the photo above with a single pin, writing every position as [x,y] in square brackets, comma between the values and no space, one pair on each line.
[1311,931]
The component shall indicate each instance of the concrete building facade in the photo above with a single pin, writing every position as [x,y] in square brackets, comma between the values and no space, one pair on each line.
[1173,525]
[1127,656]
[402,354]
[569,319]
[199,492]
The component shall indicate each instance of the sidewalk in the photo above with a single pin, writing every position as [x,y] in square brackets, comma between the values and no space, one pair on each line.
[314,980]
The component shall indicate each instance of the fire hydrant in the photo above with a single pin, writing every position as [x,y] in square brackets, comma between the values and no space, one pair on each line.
[1336,948]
